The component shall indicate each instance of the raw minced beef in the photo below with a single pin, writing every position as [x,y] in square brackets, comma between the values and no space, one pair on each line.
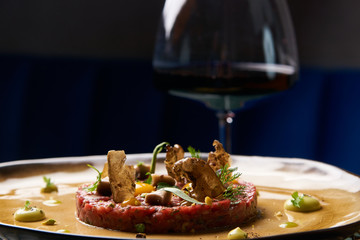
[103,212]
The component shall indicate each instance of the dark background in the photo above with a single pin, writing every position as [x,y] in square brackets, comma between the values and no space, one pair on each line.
[76,79]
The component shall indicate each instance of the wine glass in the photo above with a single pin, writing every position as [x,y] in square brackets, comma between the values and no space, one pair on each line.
[224,53]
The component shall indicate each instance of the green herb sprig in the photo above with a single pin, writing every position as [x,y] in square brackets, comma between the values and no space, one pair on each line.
[228,174]
[27,206]
[232,193]
[194,153]
[47,181]
[49,186]
[297,199]
[94,186]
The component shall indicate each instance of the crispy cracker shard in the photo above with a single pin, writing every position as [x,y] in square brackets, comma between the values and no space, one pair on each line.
[105,171]
[219,158]
[173,154]
[204,180]
[121,176]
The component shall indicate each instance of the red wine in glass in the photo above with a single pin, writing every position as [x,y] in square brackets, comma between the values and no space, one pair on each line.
[224,53]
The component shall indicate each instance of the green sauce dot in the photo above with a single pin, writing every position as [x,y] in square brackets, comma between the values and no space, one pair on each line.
[288,225]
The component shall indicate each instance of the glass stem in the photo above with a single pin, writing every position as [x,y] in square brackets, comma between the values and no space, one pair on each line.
[225,121]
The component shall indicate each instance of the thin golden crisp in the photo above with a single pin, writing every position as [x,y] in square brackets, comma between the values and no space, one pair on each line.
[219,158]
[121,176]
[173,154]
[105,172]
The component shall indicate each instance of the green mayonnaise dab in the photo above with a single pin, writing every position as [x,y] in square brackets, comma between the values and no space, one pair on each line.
[29,214]
[302,203]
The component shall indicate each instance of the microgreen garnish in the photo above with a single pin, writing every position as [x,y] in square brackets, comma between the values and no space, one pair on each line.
[228,174]
[232,193]
[96,183]
[157,150]
[149,179]
[181,194]
[297,199]
[27,205]
[47,181]
[194,153]
[49,186]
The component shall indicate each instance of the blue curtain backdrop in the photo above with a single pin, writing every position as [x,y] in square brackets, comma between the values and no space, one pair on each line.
[52,107]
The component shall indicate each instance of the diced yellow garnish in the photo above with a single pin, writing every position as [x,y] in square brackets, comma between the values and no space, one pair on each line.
[208,201]
[143,188]
[187,186]
[237,233]
[130,202]
[235,181]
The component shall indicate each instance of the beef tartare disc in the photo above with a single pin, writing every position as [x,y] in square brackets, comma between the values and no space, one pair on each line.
[101,211]
[196,196]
